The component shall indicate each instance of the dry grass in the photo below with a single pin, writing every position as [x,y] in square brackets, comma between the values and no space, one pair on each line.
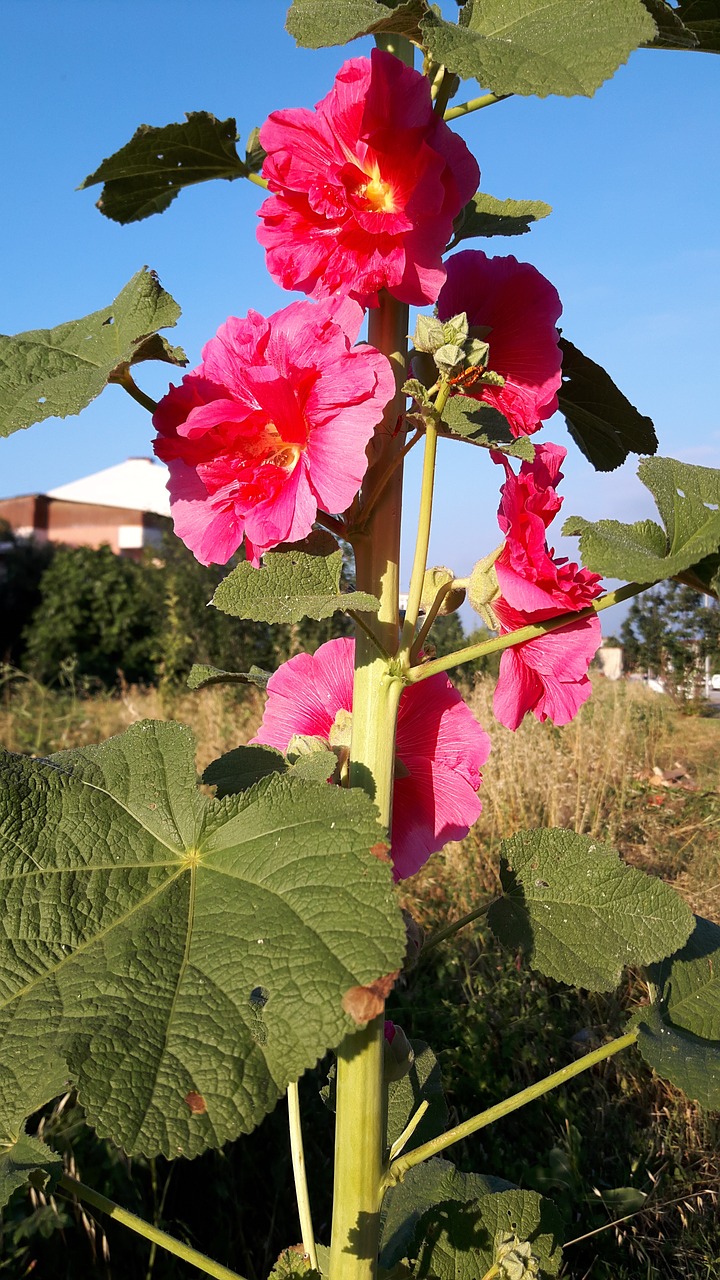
[596,776]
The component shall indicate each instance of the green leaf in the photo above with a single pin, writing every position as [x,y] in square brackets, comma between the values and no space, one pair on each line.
[687,1061]
[422,1187]
[605,426]
[202,675]
[702,17]
[580,913]
[315,24]
[187,957]
[47,373]
[146,175]
[423,1083]
[303,581]
[671,32]
[694,24]
[241,768]
[688,499]
[465,418]
[539,46]
[703,576]
[27,1160]
[486,216]
[459,1241]
[690,982]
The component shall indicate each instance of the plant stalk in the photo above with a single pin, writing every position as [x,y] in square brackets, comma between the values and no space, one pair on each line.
[531,632]
[399,1167]
[475,104]
[298,1163]
[360,1091]
[209,1268]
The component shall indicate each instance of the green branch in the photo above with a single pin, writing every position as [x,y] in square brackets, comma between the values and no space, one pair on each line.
[78,1189]
[398,1168]
[127,382]
[449,929]
[300,1177]
[532,632]
[257,179]
[475,104]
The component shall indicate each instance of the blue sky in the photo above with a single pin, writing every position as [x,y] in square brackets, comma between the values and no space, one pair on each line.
[632,245]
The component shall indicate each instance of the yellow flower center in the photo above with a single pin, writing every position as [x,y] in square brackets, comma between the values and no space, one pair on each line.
[378,193]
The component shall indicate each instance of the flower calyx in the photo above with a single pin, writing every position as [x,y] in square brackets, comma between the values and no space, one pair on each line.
[398,1053]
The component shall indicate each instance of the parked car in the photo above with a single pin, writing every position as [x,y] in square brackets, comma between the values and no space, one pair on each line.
[715,681]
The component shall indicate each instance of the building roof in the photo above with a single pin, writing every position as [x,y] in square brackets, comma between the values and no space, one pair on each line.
[138,484]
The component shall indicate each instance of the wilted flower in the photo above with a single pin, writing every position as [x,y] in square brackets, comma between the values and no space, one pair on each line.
[365,187]
[517,310]
[271,427]
[440,746]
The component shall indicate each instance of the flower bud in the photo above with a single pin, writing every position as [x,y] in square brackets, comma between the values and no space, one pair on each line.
[515,1259]
[483,588]
[399,1055]
[433,582]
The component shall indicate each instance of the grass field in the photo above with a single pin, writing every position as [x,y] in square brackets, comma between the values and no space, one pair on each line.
[617,1146]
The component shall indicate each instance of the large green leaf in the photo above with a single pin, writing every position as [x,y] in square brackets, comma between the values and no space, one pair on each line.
[427,1184]
[689,1062]
[694,24]
[318,23]
[580,913]
[423,1083]
[47,373]
[186,957]
[241,768]
[467,419]
[539,46]
[27,1159]
[690,982]
[461,1241]
[302,581]
[486,216]
[688,499]
[605,426]
[146,175]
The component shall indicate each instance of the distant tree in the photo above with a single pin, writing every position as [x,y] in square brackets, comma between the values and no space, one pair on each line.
[99,608]
[670,631]
[22,565]
[448,635]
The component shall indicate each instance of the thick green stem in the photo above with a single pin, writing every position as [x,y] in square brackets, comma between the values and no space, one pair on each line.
[417,576]
[154,1234]
[532,632]
[128,383]
[360,1107]
[399,1167]
[298,1163]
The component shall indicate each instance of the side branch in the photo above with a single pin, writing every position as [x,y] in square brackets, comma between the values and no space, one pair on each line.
[209,1268]
[473,651]
[475,104]
[398,1168]
[127,382]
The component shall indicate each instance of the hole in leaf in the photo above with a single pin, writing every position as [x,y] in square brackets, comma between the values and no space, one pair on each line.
[710,506]
[259,997]
[110,320]
[680,493]
[160,156]
[42,399]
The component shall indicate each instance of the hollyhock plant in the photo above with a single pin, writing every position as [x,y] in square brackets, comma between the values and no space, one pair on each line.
[271,427]
[547,675]
[440,746]
[518,310]
[365,187]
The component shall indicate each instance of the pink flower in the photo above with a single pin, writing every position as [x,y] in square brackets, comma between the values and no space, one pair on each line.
[366,187]
[519,308]
[439,747]
[270,427]
[548,675]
